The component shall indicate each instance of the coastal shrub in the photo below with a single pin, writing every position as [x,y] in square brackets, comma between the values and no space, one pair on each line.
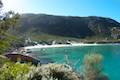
[3,60]
[53,72]
[92,69]
[18,71]
[14,71]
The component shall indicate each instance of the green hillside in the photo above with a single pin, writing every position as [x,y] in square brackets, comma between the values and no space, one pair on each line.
[41,25]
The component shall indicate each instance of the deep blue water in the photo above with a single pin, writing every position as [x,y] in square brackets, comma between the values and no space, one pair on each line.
[110,63]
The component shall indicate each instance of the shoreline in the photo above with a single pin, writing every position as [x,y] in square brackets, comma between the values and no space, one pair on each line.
[67,45]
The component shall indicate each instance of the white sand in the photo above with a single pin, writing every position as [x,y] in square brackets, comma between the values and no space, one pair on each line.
[61,45]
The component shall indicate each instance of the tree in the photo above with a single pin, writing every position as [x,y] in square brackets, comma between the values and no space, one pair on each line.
[1,4]
[7,20]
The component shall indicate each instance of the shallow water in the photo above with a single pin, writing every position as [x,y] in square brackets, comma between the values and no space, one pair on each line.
[75,55]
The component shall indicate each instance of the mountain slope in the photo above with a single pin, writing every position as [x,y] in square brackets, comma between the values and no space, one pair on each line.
[67,26]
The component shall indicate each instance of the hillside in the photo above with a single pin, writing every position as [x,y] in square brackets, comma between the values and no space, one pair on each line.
[67,26]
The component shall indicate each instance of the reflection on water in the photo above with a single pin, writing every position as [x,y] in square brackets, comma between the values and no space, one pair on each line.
[75,55]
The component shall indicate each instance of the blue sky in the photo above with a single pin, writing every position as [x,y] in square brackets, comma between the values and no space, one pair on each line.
[105,8]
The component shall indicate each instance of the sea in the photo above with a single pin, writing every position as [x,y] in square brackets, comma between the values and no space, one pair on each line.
[74,55]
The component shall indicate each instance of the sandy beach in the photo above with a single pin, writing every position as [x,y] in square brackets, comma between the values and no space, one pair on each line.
[64,45]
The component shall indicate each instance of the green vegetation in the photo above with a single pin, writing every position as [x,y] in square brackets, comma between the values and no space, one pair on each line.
[53,72]
[53,27]
[3,60]
[91,70]
[48,27]
[8,22]
[48,37]
[17,71]
[14,71]
[5,44]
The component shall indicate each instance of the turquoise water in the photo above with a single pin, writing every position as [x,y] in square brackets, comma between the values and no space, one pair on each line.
[110,63]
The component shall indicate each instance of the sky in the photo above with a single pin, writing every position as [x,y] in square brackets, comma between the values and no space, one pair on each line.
[104,8]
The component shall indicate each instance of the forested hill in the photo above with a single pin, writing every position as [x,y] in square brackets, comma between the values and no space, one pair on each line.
[68,26]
